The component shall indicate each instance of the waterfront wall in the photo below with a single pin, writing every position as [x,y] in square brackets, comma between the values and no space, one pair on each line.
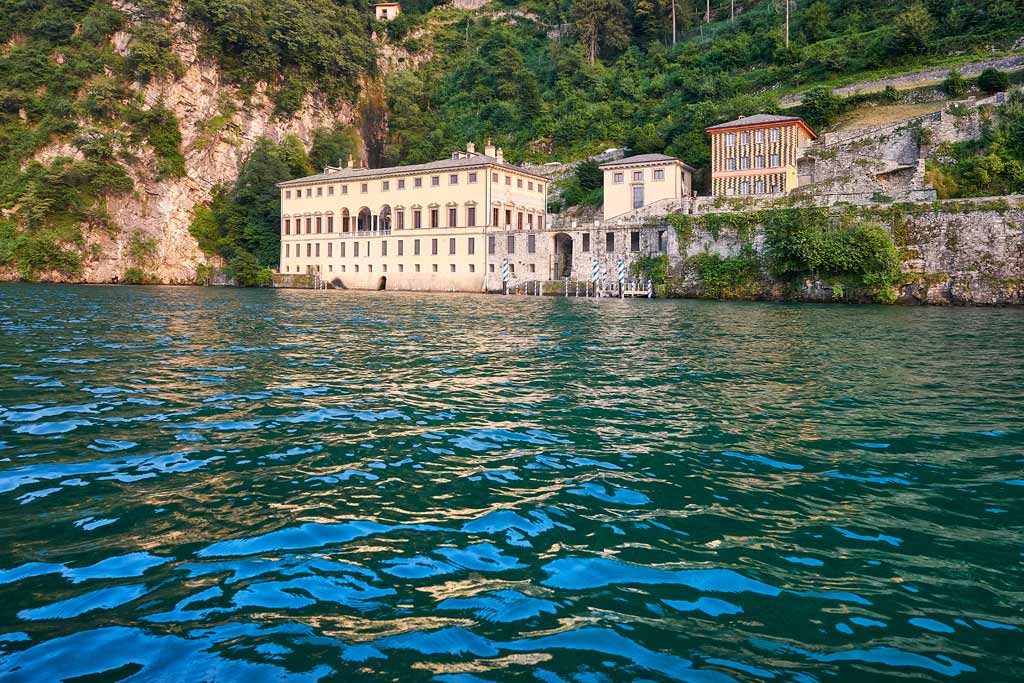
[956,252]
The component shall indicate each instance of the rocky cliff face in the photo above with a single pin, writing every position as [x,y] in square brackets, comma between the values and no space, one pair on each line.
[219,128]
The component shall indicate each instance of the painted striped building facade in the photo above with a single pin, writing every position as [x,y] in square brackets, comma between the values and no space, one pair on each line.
[757,154]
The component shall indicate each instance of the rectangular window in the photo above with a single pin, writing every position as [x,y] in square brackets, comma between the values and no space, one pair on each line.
[494,177]
[775,135]
[451,246]
[309,191]
[618,178]
[758,187]
[492,267]
[309,225]
[745,187]
[330,224]
[401,220]
[510,244]
[452,267]
[758,136]
[385,185]
[531,244]
[491,244]
[609,241]
[533,267]
[529,186]
[434,218]
[401,267]
[309,249]
[433,247]
[586,241]
[494,220]
[287,251]
[634,240]
[471,216]
[287,194]
[529,221]
[471,246]
[433,267]
[472,267]
[759,161]
[320,192]
[508,180]
[745,137]
[775,160]
[417,267]
[744,163]
[355,249]
[730,164]
[368,248]
[662,242]
[341,249]
[330,190]
[638,196]
[418,182]
[384,248]
[401,183]
[519,220]
[453,218]
[415,247]
[401,247]
[659,174]
[330,249]
[287,226]
[417,219]
[638,176]
[344,189]
[472,177]
[319,224]
[453,179]
[519,183]
[364,188]
[730,139]
[508,216]
[435,180]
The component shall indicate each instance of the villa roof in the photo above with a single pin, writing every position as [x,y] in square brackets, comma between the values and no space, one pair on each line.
[758,120]
[466,160]
[644,159]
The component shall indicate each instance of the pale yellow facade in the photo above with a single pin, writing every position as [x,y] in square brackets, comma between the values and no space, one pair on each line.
[640,181]
[422,227]
[386,11]
[757,155]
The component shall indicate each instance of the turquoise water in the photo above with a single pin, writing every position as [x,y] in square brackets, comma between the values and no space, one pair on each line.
[204,484]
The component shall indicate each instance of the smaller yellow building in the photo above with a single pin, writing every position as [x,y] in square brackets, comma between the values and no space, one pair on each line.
[757,154]
[386,11]
[642,180]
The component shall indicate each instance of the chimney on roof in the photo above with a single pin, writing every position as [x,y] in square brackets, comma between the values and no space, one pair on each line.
[500,155]
[489,148]
[349,161]
[471,147]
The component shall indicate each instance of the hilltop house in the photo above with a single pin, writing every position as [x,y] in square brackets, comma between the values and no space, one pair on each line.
[386,11]
[757,154]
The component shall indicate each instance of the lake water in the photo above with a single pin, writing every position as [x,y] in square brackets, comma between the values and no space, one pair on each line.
[229,485]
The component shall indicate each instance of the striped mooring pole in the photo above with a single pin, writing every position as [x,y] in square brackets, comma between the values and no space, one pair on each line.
[504,274]
[596,275]
[622,277]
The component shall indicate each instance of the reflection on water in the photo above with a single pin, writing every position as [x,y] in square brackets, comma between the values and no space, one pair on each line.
[258,485]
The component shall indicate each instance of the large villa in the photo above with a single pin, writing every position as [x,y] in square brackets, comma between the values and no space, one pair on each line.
[474,221]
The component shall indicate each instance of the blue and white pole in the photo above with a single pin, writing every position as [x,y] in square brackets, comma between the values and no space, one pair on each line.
[596,275]
[504,274]
[622,276]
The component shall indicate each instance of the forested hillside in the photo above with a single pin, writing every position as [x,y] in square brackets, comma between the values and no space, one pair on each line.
[80,126]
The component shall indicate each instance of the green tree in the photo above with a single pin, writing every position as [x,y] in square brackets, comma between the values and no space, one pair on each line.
[821,107]
[600,24]
[955,86]
[914,30]
[815,22]
[992,81]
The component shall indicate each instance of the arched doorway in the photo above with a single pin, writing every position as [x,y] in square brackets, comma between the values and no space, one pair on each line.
[363,220]
[382,283]
[563,256]
[385,219]
[344,220]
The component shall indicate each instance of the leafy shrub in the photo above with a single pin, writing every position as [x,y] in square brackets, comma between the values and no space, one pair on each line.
[954,86]
[653,268]
[992,81]
[821,107]
[729,277]
[134,276]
